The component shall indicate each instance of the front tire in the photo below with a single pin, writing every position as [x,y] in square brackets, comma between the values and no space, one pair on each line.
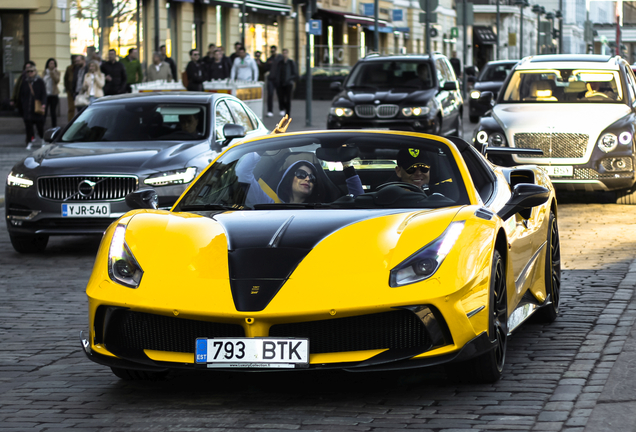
[29,244]
[550,312]
[626,197]
[488,367]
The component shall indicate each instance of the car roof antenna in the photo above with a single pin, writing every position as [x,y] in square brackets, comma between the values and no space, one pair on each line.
[282,125]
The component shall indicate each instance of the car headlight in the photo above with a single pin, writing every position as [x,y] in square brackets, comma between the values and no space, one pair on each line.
[607,142]
[475,94]
[341,111]
[19,180]
[123,268]
[625,138]
[425,262]
[172,177]
[482,137]
[415,111]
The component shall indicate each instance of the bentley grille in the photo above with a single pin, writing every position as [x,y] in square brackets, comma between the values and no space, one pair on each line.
[137,330]
[365,111]
[556,145]
[393,330]
[85,188]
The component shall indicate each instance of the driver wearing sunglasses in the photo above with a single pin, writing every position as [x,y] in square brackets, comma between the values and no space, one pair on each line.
[413,167]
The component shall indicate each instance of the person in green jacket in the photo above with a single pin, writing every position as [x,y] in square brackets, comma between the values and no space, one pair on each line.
[134,72]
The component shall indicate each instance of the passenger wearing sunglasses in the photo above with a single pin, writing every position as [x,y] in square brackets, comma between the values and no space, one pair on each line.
[413,167]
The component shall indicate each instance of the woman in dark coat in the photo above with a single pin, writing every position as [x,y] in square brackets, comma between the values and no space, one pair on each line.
[32,89]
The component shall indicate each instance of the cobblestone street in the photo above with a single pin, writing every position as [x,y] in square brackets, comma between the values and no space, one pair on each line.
[562,376]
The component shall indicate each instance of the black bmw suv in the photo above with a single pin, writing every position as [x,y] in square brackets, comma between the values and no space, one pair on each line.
[418,93]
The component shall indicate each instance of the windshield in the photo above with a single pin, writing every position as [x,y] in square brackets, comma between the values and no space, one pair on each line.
[496,72]
[376,75]
[130,121]
[312,171]
[564,86]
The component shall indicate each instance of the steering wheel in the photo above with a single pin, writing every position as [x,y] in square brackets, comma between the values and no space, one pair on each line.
[595,93]
[409,186]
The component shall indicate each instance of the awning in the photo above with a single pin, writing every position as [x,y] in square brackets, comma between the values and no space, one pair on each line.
[484,35]
[402,29]
[352,18]
[381,29]
[261,6]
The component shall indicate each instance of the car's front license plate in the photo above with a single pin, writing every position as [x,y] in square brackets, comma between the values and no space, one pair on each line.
[86,210]
[559,171]
[252,352]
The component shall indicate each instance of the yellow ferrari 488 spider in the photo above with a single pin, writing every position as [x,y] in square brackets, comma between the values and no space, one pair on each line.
[357,250]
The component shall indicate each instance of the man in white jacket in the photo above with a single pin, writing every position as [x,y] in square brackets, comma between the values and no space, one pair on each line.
[244,67]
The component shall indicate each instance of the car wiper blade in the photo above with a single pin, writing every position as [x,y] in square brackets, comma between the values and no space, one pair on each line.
[199,207]
[279,206]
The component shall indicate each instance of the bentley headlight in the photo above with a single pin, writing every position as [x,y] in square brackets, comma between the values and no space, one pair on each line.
[19,180]
[607,142]
[482,137]
[475,94]
[341,111]
[425,262]
[625,138]
[123,268]
[415,111]
[497,140]
[172,177]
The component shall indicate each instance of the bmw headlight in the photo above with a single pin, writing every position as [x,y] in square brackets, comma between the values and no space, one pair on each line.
[182,176]
[425,262]
[608,142]
[475,94]
[19,180]
[123,268]
[415,111]
[341,111]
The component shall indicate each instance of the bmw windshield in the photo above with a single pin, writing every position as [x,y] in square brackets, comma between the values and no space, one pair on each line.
[391,74]
[564,86]
[330,170]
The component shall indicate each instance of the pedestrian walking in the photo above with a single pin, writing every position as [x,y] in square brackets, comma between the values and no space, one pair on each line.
[287,76]
[115,75]
[134,72]
[69,75]
[158,70]
[171,63]
[456,64]
[15,99]
[219,68]
[244,67]
[194,72]
[32,95]
[51,77]
[78,79]
[94,82]
[272,79]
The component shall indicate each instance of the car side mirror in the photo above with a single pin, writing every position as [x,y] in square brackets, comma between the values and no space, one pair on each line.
[524,196]
[450,86]
[143,199]
[485,98]
[50,134]
[336,85]
[232,131]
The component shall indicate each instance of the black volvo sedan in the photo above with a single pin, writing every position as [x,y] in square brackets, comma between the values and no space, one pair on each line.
[77,183]
[417,93]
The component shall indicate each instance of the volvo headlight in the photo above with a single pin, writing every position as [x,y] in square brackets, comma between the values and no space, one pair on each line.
[425,262]
[415,111]
[19,180]
[341,111]
[123,268]
[607,142]
[172,177]
[475,94]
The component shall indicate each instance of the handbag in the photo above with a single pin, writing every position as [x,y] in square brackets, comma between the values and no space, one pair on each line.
[81,100]
[38,108]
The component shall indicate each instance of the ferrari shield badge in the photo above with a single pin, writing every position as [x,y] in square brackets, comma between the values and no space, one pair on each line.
[414,152]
